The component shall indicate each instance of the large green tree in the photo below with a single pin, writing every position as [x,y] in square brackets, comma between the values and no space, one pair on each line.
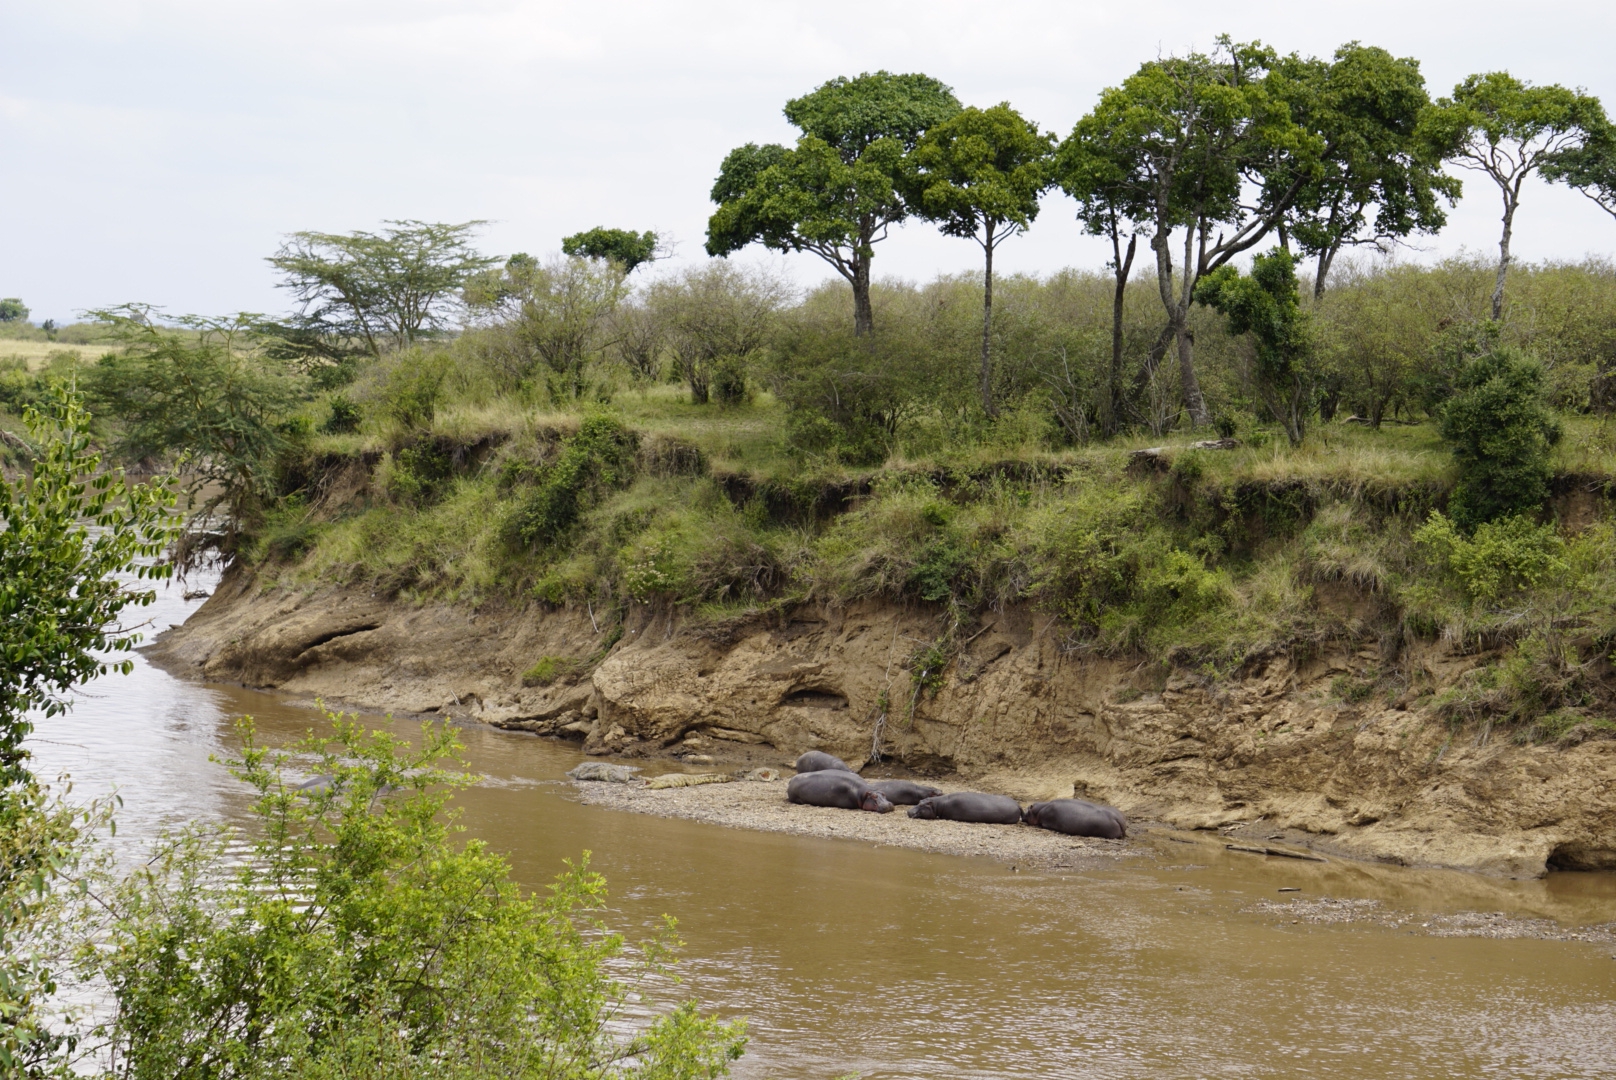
[978,175]
[1509,129]
[1374,182]
[1265,305]
[838,191]
[387,288]
[1188,144]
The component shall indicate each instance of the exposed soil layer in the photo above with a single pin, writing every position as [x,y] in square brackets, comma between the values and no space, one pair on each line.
[1269,752]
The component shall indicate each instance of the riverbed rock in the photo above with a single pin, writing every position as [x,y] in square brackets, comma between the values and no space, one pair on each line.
[603,771]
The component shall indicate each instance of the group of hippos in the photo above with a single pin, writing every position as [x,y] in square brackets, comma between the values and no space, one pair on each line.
[825,780]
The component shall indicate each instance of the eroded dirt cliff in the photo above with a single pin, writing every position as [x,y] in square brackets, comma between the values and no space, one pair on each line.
[1014,711]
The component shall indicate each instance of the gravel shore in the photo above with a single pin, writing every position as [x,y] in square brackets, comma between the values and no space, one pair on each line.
[763,807]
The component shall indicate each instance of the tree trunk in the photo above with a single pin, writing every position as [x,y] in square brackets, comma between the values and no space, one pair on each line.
[1189,385]
[1503,256]
[987,329]
[863,313]
[1110,398]
[1326,260]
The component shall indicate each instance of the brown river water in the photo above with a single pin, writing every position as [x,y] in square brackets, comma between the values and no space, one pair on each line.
[891,963]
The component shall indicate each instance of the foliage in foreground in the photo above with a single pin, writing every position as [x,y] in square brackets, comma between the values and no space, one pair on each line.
[68,534]
[357,939]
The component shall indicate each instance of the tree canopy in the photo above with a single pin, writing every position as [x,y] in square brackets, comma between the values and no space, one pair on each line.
[624,247]
[386,289]
[13,310]
[838,191]
[979,174]
[1177,146]
[1373,182]
[1589,168]
[1509,129]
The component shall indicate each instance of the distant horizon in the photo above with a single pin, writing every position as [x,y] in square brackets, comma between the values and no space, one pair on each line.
[158,154]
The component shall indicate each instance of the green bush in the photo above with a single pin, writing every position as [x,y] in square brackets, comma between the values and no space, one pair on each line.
[412,389]
[1500,429]
[1500,559]
[343,418]
[358,940]
[598,459]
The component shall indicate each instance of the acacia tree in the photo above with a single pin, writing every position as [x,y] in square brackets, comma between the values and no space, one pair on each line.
[1179,144]
[385,289]
[624,247]
[979,174]
[1265,306]
[200,388]
[837,192]
[1509,129]
[1374,182]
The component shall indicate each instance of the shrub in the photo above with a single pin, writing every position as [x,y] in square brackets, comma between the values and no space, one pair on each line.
[1500,430]
[597,459]
[357,940]
[1501,558]
[413,388]
[343,418]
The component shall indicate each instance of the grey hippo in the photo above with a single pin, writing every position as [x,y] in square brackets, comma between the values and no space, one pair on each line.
[1076,817]
[819,761]
[832,787]
[904,792]
[969,806]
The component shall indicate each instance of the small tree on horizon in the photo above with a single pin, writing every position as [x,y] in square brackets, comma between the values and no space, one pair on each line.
[624,247]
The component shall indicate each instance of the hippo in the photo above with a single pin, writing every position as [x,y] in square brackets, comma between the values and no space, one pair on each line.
[318,785]
[819,761]
[904,792]
[1075,817]
[832,787]
[969,806]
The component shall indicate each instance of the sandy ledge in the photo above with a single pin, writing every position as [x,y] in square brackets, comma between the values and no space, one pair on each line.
[763,807]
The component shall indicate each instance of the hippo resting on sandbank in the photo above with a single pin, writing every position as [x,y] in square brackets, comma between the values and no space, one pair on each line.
[819,761]
[832,787]
[969,806]
[1075,817]
[904,792]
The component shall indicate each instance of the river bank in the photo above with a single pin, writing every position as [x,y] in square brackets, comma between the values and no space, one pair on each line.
[1270,749]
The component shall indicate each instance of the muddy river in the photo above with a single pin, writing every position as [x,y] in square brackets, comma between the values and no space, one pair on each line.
[892,963]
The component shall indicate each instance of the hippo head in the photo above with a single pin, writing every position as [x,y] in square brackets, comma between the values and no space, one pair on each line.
[923,810]
[875,802]
[1030,815]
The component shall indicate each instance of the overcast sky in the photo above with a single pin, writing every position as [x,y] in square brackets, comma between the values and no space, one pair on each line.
[156,150]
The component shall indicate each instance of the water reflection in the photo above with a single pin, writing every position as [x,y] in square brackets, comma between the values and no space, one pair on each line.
[900,964]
